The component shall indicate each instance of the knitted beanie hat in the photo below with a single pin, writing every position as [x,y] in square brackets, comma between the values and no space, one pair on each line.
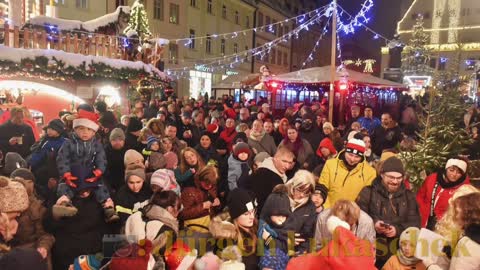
[165,179]
[57,125]
[133,159]
[13,161]
[239,201]
[137,172]
[23,173]
[117,134]
[156,161]
[86,119]
[13,196]
[151,140]
[393,164]
[171,159]
[241,147]
[355,146]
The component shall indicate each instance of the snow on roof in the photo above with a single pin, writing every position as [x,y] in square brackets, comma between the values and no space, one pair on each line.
[131,33]
[69,25]
[160,41]
[75,60]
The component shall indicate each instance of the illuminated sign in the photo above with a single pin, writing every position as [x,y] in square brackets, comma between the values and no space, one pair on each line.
[417,82]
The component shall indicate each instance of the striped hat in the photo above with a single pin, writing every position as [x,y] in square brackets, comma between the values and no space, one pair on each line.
[355,146]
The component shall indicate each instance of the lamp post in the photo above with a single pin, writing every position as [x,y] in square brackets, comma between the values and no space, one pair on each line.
[333,68]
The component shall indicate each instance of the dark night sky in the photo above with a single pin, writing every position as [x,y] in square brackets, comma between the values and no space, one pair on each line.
[384,16]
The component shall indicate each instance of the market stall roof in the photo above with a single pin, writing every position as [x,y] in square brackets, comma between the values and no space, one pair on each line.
[322,75]
[238,81]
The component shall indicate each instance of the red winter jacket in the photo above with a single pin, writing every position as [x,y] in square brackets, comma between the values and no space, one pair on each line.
[442,195]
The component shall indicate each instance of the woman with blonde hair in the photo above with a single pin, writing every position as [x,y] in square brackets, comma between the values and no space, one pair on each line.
[190,163]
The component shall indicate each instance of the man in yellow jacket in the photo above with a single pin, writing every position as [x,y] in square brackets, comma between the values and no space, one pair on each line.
[346,175]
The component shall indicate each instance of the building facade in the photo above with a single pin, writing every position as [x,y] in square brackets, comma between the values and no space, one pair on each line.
[454,29]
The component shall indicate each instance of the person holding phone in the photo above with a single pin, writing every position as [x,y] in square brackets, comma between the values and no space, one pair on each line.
[392,207]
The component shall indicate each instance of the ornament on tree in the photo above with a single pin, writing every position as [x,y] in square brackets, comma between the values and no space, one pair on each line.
[138,21]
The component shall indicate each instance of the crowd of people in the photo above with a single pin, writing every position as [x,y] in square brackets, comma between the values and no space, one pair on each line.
[209,185]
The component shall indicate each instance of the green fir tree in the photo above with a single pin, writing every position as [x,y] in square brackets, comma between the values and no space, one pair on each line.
[138,21]
[442,134]
[416,56]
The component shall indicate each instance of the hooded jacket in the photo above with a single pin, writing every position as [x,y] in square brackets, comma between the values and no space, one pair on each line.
[342,183]
[443,194]
[262,182]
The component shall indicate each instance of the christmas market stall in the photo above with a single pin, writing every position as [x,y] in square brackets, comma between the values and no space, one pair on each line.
[237,85]
[351,87]
[51,65]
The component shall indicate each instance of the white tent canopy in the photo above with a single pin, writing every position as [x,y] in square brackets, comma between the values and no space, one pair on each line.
[322,75]
[237,81]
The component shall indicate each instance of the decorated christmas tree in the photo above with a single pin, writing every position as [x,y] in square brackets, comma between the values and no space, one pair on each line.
[442,133]
[138,22]
[416,56]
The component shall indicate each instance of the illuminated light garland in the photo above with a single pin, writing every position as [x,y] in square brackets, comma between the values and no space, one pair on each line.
[324,31]
[468,27]
[261,50]
[357,20]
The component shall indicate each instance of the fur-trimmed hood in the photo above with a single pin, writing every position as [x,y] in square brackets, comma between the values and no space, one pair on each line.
[221,226]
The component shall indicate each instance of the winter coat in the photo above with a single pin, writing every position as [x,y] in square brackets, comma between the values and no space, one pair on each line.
[184,179]
[45,148]
[443,194]
[30,231]
[77,152]
[225,233]
[398,209]
[302,220]
[364,229]
[369,123]
[342,183]
[115,173]
[467,252]
[77,235]
[155,224]
[192,201]
[228,135]
[23,259]
[262,181]
[9,130]
[237,173]
[385,138]
[266,144]
[305,153]
[394,264]
[128,202]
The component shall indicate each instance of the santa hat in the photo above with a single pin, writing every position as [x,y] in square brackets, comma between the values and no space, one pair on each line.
[135,256]
[179,256]
[212,128]
[86,119]
[355,146]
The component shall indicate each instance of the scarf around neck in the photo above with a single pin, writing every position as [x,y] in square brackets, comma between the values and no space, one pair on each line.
[406,261]
[257,136]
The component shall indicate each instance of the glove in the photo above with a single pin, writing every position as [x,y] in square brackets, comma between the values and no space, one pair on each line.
[97,174]
[69,178]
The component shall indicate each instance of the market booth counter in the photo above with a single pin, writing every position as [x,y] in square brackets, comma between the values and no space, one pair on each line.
[351,88]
